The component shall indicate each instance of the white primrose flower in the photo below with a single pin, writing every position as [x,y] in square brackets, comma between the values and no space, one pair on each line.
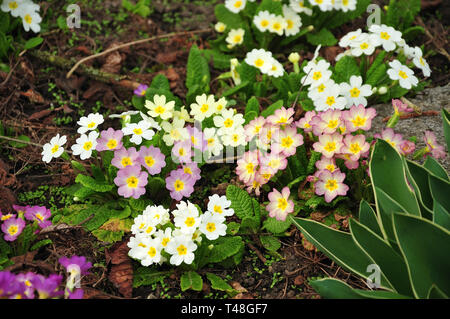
[236,138]
[276,69]
[143,224]
[152,251]
[175,131]
[234,63]
[324,5]
[235,37]
[164,236]
[214,145]
[346,5]
[349,38]
[85,144]
[159,107]
[316,73]
[227,121]
[90,122]
[331,99]
[220,105]
[235,6]
[364,44]
[182,114]
[125,116]
[408,51]
[15,7]
[30,17]
[355,92]
[151,121]
[260,59]
[315,93]
[188,221]
[157,214]
[182,250]
[347,52]
[213,226]
[204,107]
[299,6]
[54,148]
[220,27]
[262,20]
[403,74]
[220,205]
[137,246]
[293,21]
[420,62]
[277,25]
[387,36]
[138,131]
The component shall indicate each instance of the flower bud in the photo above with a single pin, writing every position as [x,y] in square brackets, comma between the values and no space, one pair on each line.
[220,27]
[294,57]
[310,28]
[382,90]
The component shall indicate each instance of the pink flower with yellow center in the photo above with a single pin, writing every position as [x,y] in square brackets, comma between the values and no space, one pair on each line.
[109,140]
[192,170]
[281,116]
[331,185]
[253,128]
[275,161]
[433,148]
[388,134]
[182,152]
[247,166]
[12,228]
[40,214]
[179,184]
[326,163]
[356,146]
[326,122]
[407,147]
[152,159]
[280,205]
[305,122]
[131,181]
[256,184]
[124,158]
[287,141]
[329,144]
[358,118]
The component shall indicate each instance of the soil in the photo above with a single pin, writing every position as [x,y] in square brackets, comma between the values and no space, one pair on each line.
[38,101]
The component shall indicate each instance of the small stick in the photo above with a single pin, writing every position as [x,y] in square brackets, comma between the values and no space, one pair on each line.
[411,115]
[257,252]
[169,35]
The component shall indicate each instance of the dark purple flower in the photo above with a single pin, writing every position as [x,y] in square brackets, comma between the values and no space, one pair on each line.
[40,214]
[47,287]
[141,90]
[76,263]
[21,209]
[7,216]
[9,286]
[12,228]
[77,294]
[27,279]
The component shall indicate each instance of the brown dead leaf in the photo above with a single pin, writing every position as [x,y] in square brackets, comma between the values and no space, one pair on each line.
[299,280]
[237,286]
[27,69]
[121,274]
[243,296]
[91,293]
[96,87]
[35,97]
[306,244]
[330,53]
[40,114]
[24,259]
[7,199]
[83,49]
[168,57]
[319,216]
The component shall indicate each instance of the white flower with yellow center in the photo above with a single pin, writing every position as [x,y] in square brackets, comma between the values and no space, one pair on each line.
[214,145]
[420,62]
[182,250]
[30,17]
[316,73]
[235,138]
[220,27]
[365,44]
[158,214]
[235,37]
[331,99]
[403,74]
[349,38]
[15,7]
[137,245]
[276,70]
[220,105]
[260,59]
[159,107]
[299,7]
[355,92]
[152,251]
[227,121]
[213,226]
[262,20]
[188,221]
[139,131]
[324,5]
[203,108]
[125,116]
[90,122]
[315,93]
[182,114]
[164,236]
[85,144]
[220,205]
[175,131]
[277,25]
[388,37]
[144,225]
[235,6]
[293,21]
[54,148]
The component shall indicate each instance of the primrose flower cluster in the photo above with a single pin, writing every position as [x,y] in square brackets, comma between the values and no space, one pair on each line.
[31,285]
[27,10]
[272,140]
[288,24]
[264,62]
[12,224]
[365,43]
[161,236]
[326,93]
[339,135]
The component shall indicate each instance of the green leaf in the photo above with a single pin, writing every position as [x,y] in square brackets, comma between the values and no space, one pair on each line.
[440,189]
[89,182]
[33,42]
[232,20]
[427,264]
[337,245]
[146,276]
[391,264]
[331,288]
[324,37]
[197,70]
[345,68]
[156,186]
[160,82]
[108,236]
[241,202]
[18,144]
[252,106]
[272,108]
[271,6]
[223,248]
[236,89]
[446,122]
[375,77]
[368,217]
[441,216]
[420,183]
[220,61]
[275,226]
[191,280]
[436,293]
[4,45]
[434,167]
[78,166]
[40,244]
[270,243]
[250,223]
[249,116]
[315,156]
[218,283]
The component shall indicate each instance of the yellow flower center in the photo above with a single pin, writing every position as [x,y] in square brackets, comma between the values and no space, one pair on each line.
[165,241]
[181,152]
[333,123]
[321,88]
[282,203]
[317,75]
[235,138]
[187,170]
[126,161]
[330,167]
[28,19]
[218,209]
[211,227]
[331,185]
[178,185]
[204,108]
[359,121]
[277,26]
[345,2]
[182,250]
[228,123]
[402,74]
[190,221]
[290,24]
[87,146]
[13,229]
[150,161]
[91,125]
[250,168]
[355,92]
[385,35]
[152,252]
[286,142]
[142,245]
[355,148]
[149,229]
[259,63]
[112,143]
[132,182]
[210,141]
[137,131]
[13,5]
[264,23]
[330,147]
[330,100]
[55,149]
[237,39]
[39,216]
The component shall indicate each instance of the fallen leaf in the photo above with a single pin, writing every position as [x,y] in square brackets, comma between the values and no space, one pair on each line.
[299,280]
[243,296]
[237,286]
[319,216]
[306,244]
[121,274]
[91,293]
[34,96]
